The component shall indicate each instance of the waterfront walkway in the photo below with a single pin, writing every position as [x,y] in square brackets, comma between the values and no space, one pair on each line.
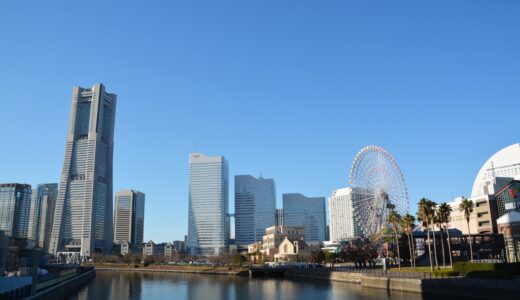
[418,282]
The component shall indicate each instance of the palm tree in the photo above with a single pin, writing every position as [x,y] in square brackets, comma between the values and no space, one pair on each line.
[438,221]
[432,210]
[445,214]
[466,206]
[407,222]
[395,218]
[423,215]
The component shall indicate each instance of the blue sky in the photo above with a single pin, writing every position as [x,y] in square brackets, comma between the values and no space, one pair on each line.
[291,89]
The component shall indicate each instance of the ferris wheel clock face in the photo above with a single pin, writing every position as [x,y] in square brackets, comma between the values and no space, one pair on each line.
[378,187]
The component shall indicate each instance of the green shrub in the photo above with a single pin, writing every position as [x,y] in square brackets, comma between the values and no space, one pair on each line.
[446,272]
[498,270]
[467,267]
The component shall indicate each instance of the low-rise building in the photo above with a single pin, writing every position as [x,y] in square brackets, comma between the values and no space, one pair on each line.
[292,250]
[275,235]
[481,221]
[169,250]
[150,249]
[272,239]
[509,226]
[254,248]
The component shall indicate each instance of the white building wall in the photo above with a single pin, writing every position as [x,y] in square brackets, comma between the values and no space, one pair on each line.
[341,216]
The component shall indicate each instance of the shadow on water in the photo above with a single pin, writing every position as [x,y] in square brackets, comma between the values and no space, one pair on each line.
[155,285]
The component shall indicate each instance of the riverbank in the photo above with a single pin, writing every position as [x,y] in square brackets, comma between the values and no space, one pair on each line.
[65,287]
[172,268]
[450,287]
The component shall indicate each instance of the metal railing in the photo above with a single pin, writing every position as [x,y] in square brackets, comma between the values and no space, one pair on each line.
[48,280]
[370,271]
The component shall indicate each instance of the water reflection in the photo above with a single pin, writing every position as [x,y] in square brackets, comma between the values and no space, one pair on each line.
[151,285]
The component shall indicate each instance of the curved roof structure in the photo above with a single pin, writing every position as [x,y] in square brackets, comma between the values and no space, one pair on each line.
[504,163]
[510,217]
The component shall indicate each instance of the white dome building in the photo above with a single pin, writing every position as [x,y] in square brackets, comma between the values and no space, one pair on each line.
[498,170]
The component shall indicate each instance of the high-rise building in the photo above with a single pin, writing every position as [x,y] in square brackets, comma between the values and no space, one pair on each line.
[15,206]
[84,215]
[255,204]
[43,204]
[208,219]
[129,217]
[309,212]
[341,216]
[278,217]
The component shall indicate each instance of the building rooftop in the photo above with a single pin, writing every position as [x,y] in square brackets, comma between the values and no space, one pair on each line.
[504,163]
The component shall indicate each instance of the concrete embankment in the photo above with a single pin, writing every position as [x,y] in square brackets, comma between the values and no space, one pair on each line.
[391,284]
[208,271]
[452,287]
[65,288]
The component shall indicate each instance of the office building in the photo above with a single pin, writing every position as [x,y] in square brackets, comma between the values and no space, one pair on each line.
[278,217]
[208,218]
[43,206]
[255,204]
[129,217]
[179,246]
[83,222]
[15,205]
[343,225]
[309,212]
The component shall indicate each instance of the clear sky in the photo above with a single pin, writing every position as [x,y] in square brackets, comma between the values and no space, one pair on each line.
[291,89]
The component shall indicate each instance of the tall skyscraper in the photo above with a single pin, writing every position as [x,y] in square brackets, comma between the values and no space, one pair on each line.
[129,217]
[208,219]
[84,216]
[15,206]
[255,204]
[43,205]
[341,216]
[309,212]
[278,217]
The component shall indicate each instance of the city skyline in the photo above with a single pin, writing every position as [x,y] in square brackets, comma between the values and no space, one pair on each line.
[292,93]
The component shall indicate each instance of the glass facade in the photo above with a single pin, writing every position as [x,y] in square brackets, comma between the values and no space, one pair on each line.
[43,206]
[255,204]
[15,205]
[278,217]
[129,217]
[310,212]
[83,220]
[508,198]
[208,218]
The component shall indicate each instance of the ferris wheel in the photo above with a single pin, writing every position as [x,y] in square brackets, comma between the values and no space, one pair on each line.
[378,187]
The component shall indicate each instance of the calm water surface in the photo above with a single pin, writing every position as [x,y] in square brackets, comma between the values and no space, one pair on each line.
[152,285]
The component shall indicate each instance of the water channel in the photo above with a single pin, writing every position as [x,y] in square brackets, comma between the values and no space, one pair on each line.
[156,285]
